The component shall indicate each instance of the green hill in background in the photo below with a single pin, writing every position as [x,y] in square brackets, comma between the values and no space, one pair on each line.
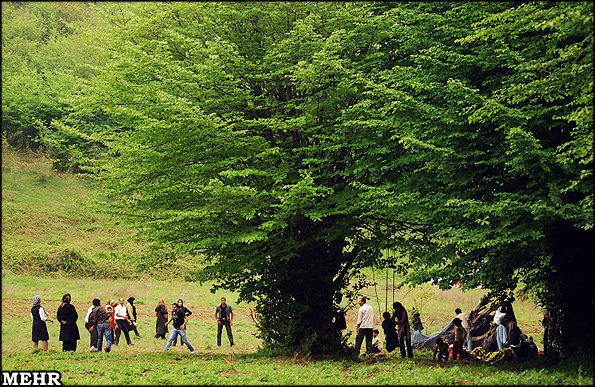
[48,226]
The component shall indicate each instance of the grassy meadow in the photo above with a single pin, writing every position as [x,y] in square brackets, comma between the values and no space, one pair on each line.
[53,243]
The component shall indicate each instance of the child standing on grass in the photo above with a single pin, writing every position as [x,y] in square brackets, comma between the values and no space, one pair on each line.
[460,335]
[40,330]
[390,332]
[376,342]
[441,349]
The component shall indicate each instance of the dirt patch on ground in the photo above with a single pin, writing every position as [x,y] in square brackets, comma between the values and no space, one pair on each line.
[232,372]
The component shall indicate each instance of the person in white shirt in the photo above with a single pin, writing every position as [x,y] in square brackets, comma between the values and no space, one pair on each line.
[40,331]
[464,317]
[123,321]
[88,325]
[365,325]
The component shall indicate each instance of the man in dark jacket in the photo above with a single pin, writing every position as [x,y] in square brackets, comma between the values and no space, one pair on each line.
[100,320]
[224,317]
[89,324]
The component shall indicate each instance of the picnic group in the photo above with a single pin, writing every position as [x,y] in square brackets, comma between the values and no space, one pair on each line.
[502,341]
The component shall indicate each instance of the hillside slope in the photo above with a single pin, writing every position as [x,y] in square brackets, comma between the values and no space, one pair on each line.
[48,226]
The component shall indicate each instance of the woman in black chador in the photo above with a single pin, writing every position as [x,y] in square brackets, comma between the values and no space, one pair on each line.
[40,330]
[161,313]
[69,331]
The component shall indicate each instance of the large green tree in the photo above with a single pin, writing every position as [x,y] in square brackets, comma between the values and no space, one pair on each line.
[235,153]
[286,144]
[489,112]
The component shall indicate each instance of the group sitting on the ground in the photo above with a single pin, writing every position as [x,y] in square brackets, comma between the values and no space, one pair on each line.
[503,341]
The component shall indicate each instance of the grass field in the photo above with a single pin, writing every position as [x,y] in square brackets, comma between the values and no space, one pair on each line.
[52,243]
[144,363]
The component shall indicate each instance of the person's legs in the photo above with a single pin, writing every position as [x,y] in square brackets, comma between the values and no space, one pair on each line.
[135,330]
[118,331]
[93,336]
[35,345]
[184,340]
[101,328]
[409,348]
[358,341]
[108,339]
[401,341]
[368,333]
[172,337]
[125,329]
[45,345]
[229,334]
[455,349]
[469,341]
[219,330]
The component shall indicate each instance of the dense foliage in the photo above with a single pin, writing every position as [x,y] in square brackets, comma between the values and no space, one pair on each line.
[43,58]
[484,136]
[286,145]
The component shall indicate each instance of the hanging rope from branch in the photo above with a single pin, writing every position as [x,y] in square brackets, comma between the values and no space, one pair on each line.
[375,290]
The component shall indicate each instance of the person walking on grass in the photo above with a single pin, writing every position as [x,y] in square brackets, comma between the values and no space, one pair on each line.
[404,330]
[365,325]
[69,331]
[161,313]
[40,330]
[224,317]
[186,311]
[131,311]
[89,326]
[101,318]
[123,321]
[179,328]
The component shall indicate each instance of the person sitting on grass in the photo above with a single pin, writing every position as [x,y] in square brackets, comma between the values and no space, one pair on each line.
[441,349]
[376,342]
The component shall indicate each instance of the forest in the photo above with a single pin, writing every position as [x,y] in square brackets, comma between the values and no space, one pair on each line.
[286,146]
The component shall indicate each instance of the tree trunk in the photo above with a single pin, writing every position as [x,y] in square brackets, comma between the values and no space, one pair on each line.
[569,326]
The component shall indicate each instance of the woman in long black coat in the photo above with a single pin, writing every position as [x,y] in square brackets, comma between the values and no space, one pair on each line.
[69,331]
[161,313]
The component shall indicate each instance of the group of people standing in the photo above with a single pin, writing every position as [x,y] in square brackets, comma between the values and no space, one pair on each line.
[110,320]
[66,316]
[397,331]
